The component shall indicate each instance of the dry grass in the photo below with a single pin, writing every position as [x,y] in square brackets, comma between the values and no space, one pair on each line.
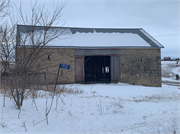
[61,89]
[50,89]
[173,65]
[167,70]
[5,89]
[42,91]
[157,98]
[167,73]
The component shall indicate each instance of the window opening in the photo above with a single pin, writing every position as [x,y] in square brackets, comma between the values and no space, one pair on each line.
[106,69]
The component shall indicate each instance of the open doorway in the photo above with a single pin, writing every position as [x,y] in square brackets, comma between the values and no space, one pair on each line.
[97,69]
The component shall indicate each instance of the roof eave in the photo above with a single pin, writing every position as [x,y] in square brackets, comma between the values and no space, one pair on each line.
[151,38]
[99,47]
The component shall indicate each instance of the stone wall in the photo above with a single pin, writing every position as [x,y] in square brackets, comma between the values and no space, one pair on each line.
[57,56]
[141,67]
[49,61]
[137,66]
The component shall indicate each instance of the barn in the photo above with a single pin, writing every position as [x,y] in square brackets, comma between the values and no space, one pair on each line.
[167,59]
[99,55]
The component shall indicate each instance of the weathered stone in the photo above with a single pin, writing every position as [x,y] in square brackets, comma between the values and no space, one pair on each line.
[50,64]
[137,66]
[141,67]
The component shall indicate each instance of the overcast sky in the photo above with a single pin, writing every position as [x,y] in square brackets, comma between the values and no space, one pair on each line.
[160,18]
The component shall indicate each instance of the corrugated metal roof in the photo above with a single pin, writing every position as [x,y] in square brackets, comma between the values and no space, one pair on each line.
[139,31]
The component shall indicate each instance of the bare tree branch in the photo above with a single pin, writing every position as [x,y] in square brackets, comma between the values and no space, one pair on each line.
[4,8]
[21,64]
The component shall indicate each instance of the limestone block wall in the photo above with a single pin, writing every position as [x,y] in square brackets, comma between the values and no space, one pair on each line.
[137,66]
[48,62]
[51,61]
[141,67]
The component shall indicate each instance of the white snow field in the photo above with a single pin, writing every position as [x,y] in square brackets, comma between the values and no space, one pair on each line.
[101,108]
[169,71]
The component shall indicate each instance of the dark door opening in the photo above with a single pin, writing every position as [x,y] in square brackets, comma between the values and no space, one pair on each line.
[97,69]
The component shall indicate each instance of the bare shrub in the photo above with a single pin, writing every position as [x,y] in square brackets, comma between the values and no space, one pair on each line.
[102,107]
[26,70]
[117,105]
[24,125]
[109,107]
[4,8]
[3,124]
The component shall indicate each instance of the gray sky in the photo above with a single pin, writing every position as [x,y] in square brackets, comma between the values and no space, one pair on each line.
[160,18]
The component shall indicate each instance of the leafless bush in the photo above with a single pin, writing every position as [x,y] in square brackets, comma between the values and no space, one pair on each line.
[3,124]
[105,108]
[102,107]
[24,125]
[23,67]
[117,105]
[4,8]
[59,94]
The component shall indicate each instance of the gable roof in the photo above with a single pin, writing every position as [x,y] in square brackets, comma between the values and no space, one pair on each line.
[97,37]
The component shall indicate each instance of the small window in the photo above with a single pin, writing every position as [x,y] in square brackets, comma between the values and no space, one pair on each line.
[158,58]
[48,57]
[131,72]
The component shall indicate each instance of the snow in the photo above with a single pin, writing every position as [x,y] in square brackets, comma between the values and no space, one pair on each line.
[103,39]
[176,70]
[96,39]
[100,108]
[169,70]
[172,79]
[125,109]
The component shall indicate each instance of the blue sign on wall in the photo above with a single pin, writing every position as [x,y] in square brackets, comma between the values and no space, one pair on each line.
[64,66]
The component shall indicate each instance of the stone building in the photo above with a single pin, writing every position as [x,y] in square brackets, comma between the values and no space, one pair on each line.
[101,55]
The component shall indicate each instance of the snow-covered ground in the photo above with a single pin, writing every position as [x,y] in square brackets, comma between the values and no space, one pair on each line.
[169,70]
[101,108]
